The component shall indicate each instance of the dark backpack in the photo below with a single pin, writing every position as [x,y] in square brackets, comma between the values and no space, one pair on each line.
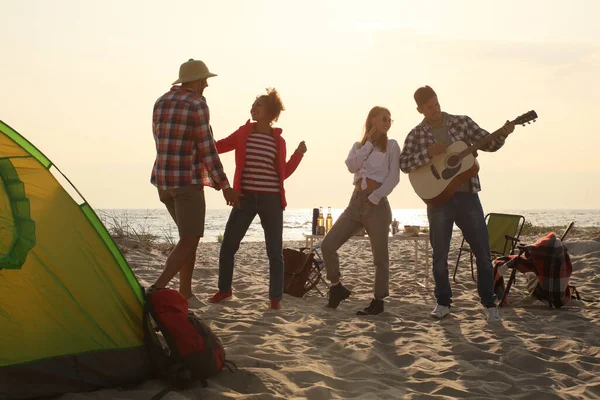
[297,267]
[182,348]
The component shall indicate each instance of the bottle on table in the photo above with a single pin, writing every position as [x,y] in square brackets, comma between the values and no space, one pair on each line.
[315,216]
[328,220]
[320,222]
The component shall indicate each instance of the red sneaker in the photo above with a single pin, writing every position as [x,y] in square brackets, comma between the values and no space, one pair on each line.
[219,296]
[275,304]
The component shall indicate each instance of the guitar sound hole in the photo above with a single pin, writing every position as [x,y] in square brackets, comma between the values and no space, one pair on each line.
[452,161]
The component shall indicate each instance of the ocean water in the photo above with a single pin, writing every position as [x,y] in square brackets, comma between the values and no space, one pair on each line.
[158,222]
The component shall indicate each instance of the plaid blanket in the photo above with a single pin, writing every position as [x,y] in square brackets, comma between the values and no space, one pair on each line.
[550,262]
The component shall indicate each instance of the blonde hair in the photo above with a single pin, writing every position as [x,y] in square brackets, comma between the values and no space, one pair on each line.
[375,111]
[274,103]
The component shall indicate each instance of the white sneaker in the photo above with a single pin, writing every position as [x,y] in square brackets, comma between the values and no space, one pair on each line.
[440,311]
[493,315]
[193,302]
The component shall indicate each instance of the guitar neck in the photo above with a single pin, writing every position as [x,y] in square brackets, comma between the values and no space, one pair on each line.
[480,143]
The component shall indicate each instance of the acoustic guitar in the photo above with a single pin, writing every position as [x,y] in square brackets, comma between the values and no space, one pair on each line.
[437,181]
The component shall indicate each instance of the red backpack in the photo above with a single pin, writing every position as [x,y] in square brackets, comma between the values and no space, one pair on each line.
[183,349]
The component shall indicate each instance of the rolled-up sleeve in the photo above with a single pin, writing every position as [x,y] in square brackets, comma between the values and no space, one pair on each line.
[358,155]
[415,151]
[207,149]
[476,133]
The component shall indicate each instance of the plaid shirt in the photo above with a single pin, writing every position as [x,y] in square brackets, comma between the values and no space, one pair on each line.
[460,128]
[185,148]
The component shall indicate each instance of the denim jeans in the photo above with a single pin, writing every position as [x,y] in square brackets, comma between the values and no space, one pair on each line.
[376,220]
[269,209]
[465,210]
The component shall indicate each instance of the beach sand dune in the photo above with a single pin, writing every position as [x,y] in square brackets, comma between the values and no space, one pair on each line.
[308,351]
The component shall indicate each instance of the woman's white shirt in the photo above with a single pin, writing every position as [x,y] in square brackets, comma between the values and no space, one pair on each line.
[366,161]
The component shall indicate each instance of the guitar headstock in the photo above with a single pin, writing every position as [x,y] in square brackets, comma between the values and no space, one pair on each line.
[526,118]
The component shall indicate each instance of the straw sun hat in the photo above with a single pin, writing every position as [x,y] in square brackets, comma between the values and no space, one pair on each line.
[192,70]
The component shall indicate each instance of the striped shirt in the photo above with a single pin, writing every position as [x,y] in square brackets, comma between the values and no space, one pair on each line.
[185,148]
[260,174]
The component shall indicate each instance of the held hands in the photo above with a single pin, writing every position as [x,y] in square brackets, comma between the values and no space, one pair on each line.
[436,149]
[508,128]
[301,147]
[232,197]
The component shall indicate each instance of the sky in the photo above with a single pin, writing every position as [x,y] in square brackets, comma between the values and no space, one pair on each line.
[79,80]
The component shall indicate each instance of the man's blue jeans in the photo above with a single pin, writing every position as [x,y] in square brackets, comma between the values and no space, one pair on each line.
[268,207]
[465,210]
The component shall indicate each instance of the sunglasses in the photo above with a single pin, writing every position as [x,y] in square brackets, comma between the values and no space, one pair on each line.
[385,119]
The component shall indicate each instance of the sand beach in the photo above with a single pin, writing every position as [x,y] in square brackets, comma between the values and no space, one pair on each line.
[308,351]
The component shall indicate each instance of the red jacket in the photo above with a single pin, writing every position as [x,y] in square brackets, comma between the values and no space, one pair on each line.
[237,141]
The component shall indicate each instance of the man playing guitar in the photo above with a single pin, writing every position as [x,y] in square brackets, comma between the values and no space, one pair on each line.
[431,138]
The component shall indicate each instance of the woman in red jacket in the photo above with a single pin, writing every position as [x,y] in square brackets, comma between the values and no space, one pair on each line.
[260,169]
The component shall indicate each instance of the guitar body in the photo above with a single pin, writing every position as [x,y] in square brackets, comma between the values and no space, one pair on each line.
[437,181]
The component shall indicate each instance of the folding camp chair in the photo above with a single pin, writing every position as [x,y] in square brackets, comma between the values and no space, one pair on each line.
[302,271]
[522,250]
[315,275]
[504,231]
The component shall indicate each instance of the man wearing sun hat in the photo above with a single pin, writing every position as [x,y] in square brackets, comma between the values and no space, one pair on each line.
[186,161]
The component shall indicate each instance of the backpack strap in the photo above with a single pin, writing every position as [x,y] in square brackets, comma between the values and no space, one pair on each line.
[162,393]
[150,337]
[231,366]
[178,376]
[575,295]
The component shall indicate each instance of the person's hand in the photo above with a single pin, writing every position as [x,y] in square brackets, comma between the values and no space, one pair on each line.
[232,197]
[301,147]
[436,149]
[508,128]
[373,135]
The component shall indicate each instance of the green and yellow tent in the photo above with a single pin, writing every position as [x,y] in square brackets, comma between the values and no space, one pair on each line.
[70,306]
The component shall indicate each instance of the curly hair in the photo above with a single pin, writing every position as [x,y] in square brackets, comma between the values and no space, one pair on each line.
[274,103]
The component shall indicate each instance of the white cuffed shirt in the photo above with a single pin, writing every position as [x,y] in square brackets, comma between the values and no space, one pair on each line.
[366,161]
